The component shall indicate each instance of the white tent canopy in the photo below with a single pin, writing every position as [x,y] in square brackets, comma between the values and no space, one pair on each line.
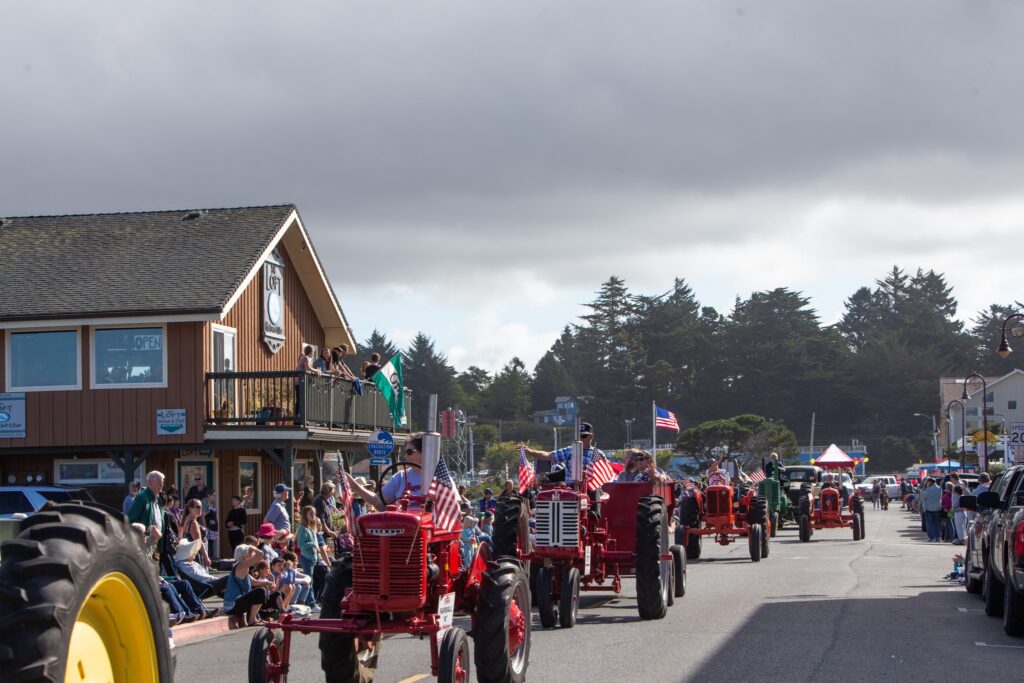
[833,456]
[946,464]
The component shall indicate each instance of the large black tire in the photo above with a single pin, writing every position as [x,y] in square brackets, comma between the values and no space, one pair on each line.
[505,530]
[569,599]
[776,524]
[652,586]
[758,512]
[693,547]
[689,511]
[863,525]
[805,528]
[64,566]
[971,584]
[764,541]
[805,506]
[504,583]
[857,535]
[680,534]
[453,657]
[338,657]
[992,591]
[1013,608]
[264,644]
[754,542]
[547,608]
[678,570]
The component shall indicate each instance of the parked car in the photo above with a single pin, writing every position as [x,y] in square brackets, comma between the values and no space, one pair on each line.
[892,486]
[1003,584]
[974,548]
[25,500]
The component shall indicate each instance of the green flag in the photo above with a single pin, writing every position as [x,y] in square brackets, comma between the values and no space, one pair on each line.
[389,380]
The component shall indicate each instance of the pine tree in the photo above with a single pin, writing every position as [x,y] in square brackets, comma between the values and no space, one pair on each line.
[426,372]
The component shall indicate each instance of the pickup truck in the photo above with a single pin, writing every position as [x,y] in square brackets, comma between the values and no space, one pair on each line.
[1003,550]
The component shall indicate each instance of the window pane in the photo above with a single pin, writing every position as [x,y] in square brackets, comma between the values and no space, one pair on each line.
[14,501]
[44,359]
[130,356]
[248,484]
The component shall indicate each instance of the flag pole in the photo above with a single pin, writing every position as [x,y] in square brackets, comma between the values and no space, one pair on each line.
[654,431]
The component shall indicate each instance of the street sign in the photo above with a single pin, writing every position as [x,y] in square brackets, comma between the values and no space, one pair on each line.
[380,461]
[381,445]
[1017,442]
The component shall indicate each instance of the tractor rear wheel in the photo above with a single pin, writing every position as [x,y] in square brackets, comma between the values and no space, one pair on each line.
[652,574]
[569,598]
[506,532]
[764,542]
[805,529]
[689,510]
[339,659]
[80,598]
[754,542]
[265,647]
[863,525]
[693,546]
[546,606]
[678,570]
[856,528]
[758,512]
[501,630]
[805,506]
[453,657]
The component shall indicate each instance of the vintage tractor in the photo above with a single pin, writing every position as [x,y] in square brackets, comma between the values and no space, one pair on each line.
[405,576]
[777,502]
[79,600]
[715,512]
[821,508]
[589,543]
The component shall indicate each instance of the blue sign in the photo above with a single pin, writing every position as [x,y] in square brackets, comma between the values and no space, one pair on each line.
[381,445]
[380,461]
[12,416]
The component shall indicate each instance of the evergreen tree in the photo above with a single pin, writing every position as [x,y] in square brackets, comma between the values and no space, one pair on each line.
[508,396]
[986,333]
[426,372]
[550,379]
[377,341]
[468,389]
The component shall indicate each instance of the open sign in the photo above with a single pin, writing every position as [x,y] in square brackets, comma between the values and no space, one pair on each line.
[148,342]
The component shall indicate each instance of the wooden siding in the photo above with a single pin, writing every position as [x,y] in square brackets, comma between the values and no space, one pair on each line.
[246,317]
[100,417]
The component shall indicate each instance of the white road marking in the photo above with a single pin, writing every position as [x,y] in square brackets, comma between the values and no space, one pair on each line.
[964,609]
[1009,647]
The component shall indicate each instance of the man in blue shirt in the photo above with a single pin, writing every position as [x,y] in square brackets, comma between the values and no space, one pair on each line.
[278,512]
[931,504]
[564,455]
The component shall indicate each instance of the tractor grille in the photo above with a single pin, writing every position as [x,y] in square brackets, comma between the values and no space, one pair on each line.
[558,523]
[719,500]
[389,567]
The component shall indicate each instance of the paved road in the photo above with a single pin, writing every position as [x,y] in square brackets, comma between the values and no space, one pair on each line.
[827,610]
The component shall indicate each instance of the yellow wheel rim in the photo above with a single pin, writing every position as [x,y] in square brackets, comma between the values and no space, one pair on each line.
[112,641]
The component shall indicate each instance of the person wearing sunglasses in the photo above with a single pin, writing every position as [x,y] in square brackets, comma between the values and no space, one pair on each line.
[564,455]
[405,479]
[640,466]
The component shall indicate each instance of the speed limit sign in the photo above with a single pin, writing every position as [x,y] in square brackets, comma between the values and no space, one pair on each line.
[1017,441]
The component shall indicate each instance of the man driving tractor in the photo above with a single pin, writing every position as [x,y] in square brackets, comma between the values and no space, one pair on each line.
[564,455]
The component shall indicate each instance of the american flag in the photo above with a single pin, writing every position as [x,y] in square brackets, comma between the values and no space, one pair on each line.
[688,484]
[665,419]
[757,476]
[346,498]
[446,499]
[526,475]
[599,472]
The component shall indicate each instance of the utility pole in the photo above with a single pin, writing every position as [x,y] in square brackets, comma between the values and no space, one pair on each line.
[812,434]
[935,436]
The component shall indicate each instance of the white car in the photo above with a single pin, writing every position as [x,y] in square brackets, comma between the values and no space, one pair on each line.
[892,487]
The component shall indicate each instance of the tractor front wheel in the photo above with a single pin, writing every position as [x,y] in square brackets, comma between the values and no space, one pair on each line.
[265,650]
[775,524]
[679,570]
[805,528]
[501,624]
[339,659]
[754,536]
[569,598]
[546,605]
[453,657]
[693,546]
[80,601]
[764,542]
[652,575]
[857,528]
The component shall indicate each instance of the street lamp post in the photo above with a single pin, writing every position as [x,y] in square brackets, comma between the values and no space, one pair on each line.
[963,427]
[935,435]
[629,431]
[983,460]
[1017,330]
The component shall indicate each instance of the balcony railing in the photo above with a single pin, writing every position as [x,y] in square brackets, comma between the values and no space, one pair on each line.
[290,399]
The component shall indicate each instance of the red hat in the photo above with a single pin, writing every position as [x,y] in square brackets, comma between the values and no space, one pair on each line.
[266,531]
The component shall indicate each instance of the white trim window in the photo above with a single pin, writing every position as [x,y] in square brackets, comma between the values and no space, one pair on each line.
[44,360]
[249,481]
[129,357]
[94,471]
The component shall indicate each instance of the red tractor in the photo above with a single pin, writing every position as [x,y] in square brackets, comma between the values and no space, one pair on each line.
[405,576]
[714,512]
[586,545]
[824,511]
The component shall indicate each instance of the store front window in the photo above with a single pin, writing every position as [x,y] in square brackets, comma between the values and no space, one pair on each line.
[44,361]
[133,357]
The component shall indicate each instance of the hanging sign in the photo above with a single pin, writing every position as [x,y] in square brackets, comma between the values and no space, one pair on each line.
[12,416]
[170,422]
[273,302]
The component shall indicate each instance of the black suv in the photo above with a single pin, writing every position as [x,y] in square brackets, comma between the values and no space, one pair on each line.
[1003,550]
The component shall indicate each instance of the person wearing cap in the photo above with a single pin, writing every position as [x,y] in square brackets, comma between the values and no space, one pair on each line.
[564,455]
[277,515]
[266,541]
[774,466]
[487,503]
[406,479]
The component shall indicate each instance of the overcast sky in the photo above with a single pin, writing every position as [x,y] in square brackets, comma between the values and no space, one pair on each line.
[475,170]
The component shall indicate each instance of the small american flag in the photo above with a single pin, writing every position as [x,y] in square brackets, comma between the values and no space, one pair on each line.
[757,476]
[665,419]
[688,484]
[346,498]
[446,499]
[599,472]
[526,475]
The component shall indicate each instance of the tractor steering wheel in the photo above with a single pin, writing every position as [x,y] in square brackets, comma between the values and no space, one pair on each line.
[380,478]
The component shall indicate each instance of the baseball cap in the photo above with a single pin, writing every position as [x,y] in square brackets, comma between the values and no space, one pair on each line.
[586,428]
[280,488]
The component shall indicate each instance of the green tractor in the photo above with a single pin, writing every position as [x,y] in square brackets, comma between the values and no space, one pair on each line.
[779,509]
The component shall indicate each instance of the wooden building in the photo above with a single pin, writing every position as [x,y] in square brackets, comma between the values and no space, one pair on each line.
[168,341]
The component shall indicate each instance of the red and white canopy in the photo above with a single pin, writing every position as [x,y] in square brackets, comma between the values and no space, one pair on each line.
[833,457]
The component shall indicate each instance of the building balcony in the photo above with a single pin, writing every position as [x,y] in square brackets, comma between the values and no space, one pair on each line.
[248,400]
